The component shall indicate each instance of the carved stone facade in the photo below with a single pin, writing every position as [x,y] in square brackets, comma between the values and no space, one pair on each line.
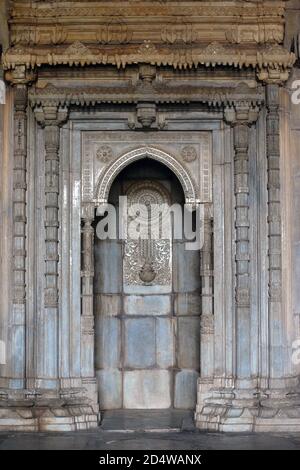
[199,89]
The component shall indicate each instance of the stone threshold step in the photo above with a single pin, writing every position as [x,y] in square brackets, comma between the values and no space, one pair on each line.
[147,420]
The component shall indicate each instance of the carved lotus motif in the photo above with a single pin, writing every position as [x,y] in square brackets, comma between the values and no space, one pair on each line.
[147,48]
[114,32]
[214,49]
[147,273]
[77,48]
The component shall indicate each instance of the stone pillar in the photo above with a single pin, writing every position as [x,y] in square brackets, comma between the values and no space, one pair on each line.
[278,354]
[17,325]
[50,117]
[205,381]
[241,119]
[19,79]
[227,407]
[87,314]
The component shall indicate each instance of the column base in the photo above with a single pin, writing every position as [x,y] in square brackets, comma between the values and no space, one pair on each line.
[41,411]
[18,418]
[231,410]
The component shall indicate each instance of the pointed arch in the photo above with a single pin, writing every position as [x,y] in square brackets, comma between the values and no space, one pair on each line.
[105,181]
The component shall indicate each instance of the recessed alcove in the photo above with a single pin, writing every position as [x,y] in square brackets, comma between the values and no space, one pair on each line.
[147,338]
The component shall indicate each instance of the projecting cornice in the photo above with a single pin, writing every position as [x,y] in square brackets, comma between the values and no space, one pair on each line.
[159,94]
[182,35]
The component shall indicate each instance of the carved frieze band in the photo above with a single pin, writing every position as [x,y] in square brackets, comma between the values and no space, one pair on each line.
[154,92]
[159,21]
[265,60]
[26,9]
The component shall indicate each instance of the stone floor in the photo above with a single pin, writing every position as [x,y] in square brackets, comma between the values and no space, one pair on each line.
[155,430]
[106,440]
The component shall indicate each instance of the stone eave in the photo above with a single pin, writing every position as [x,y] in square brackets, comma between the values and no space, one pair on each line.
[78,54]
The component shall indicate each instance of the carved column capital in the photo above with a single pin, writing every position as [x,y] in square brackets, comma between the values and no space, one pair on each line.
[20,76]
[51,115]
[274,75]
[241,113]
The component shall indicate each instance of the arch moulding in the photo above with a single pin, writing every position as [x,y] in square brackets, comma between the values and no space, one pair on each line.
[106,179]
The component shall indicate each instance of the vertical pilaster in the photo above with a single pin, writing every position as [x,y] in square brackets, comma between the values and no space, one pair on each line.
[87,299]
[50,117]
[207,319]
[241,117]
[276,322]
[18,317]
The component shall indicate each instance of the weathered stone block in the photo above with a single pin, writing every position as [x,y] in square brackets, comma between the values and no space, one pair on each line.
[108,275]
[108,304]
[147,389]
[147,305]
[188,337]
[186,269]
[110,389]
[165,342]
[108,342]
[187,304]
[140,342]
[185,389]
